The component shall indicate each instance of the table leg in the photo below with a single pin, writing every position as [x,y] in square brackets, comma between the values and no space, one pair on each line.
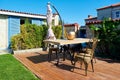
[58,55]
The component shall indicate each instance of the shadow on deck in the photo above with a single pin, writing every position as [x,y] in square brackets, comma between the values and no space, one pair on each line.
[37,62]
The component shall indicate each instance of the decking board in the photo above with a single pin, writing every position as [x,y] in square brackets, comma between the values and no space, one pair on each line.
[37,62]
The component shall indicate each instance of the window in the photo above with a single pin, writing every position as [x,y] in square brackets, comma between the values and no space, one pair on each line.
[117,14]
[24,20]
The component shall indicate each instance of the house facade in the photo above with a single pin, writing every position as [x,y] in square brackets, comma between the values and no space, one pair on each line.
[111,11]
[10,22]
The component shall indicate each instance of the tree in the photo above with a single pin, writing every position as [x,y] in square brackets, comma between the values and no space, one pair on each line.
[109,35]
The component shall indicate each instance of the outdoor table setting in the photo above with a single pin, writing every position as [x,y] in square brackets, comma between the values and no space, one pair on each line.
[62,42]
[51,39]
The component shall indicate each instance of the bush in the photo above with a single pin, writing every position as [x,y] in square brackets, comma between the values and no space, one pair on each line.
[15,42]
[109,35]
[32,36]
[57,31]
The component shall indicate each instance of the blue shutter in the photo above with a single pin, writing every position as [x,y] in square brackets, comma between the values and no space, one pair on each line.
[13,27]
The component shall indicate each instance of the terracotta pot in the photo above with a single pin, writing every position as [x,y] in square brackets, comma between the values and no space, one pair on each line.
[70,35]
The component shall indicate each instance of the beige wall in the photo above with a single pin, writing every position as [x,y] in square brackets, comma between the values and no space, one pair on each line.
[56,20]
[72,28]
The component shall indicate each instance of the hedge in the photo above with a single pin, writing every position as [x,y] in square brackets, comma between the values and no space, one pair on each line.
[32,36]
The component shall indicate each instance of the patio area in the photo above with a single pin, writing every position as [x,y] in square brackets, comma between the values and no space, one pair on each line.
[37,62]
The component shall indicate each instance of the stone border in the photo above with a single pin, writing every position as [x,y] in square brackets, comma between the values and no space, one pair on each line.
[28,50]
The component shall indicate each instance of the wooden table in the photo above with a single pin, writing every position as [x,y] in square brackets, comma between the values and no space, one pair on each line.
[66,42]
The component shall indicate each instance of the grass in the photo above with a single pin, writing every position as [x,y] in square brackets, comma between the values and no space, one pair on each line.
[11,69]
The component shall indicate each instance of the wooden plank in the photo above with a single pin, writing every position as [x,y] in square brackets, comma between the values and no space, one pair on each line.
[39,65]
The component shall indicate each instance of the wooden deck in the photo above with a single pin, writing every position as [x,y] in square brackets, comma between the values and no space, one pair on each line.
[105,69]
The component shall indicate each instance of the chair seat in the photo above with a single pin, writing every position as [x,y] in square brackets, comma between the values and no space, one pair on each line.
[86,49]
[53,49]
[83,56]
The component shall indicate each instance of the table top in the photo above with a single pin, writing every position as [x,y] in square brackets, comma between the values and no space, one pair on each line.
[66,41]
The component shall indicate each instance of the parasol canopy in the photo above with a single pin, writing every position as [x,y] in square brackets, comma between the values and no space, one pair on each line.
[50,34]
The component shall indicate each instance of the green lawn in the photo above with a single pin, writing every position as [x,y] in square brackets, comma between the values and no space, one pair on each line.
[11,69]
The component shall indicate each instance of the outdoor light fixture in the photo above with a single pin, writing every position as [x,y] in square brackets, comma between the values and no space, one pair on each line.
[60,20]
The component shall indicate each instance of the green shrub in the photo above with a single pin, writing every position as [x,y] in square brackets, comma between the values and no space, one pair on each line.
[15,42]
[57,31]
[109,35]
[32,36]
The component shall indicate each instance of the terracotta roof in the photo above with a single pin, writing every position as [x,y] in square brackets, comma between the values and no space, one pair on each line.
[91,18]
[113,5]
[21,12]
[93,22]
[99,21]
[70,25]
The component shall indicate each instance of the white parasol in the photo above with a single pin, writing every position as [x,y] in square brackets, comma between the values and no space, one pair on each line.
[50,34]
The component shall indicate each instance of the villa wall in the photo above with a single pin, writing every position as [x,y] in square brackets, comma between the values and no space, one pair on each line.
[115,9]
[111,11]
[105,13]
[10,22]
[10,26]
[3,32]
[108,13]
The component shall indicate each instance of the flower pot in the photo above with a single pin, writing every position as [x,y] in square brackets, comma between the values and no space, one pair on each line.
[70,35]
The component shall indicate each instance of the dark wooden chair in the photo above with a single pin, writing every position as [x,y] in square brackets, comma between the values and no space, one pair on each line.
[86,57]
[89,48]
[52,49]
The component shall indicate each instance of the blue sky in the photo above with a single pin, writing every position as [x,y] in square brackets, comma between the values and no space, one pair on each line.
[71,11]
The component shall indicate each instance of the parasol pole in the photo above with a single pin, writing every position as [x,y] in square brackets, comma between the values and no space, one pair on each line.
[60,20]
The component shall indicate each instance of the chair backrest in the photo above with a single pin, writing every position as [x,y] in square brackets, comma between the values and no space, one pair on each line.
[94,45]
[89,44]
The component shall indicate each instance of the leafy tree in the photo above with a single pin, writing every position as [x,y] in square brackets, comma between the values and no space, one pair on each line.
[109,35]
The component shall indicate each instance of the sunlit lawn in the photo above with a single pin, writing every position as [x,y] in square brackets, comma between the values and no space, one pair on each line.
[11,69]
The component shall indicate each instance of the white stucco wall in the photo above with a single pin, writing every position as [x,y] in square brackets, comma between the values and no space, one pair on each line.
[3,32]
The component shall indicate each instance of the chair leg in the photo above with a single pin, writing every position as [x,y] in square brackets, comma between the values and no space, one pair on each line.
[49,55]
[72,59]
[71,56]
[81,64]
[92,65]
[56,53]
[64,56]
[86,68]
[74,64]
[95,59]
